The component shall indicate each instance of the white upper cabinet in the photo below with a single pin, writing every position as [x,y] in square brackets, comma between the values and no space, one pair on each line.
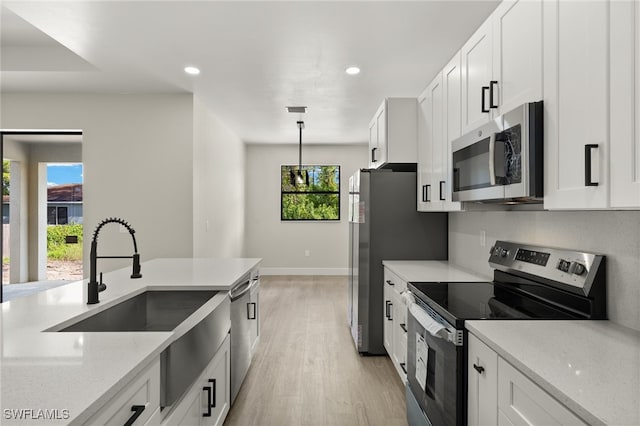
[517,53]
[452,121]
[576,99]
[502,63]
[625,104]
[430,141]
[477,73]
[393,133]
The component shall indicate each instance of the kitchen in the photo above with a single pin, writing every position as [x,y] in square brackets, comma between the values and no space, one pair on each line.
[172,131]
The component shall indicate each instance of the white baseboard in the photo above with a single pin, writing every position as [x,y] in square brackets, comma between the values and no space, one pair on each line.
[304,271]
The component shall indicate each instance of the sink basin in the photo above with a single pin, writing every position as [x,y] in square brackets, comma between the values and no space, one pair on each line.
[153,310]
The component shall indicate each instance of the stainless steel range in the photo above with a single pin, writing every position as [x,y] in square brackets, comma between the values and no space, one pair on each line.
[530,282]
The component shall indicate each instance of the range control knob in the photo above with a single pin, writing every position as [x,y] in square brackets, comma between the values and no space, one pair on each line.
[504,252]
[563,265]
[577,268]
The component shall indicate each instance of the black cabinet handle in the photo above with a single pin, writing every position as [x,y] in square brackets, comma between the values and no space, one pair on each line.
[373,155]
[386,309]
[404,367]
[441,191]
[492,84]
[484,92]
[478,368]
[390,283]
[212,403]
[207,389]
[137,412]
[425,193]
[251,316]
[404,327]
[588,148]
[390,317]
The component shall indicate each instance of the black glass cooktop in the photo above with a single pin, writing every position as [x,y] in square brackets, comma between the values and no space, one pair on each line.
[460,301]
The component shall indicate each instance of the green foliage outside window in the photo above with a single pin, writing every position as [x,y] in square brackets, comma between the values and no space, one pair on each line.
[319,200]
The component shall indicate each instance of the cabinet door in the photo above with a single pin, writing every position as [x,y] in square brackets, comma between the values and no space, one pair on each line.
[425,150]
[388,319]
[253,313]
[437,147]
[482,370]
[576,98]
[517,53]
[477,65]
[218,378]
[380,156]
[520,401]
[625,104]
[452,98]
[400,337]
[373,141]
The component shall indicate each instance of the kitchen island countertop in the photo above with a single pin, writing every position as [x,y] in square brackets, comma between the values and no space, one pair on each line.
[72,374]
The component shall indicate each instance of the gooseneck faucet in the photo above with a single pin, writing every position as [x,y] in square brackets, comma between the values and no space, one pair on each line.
[94,287]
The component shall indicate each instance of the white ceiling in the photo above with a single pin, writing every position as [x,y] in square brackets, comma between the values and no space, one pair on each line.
[255,57]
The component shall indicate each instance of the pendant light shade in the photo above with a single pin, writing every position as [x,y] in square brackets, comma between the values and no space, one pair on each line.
[299,177]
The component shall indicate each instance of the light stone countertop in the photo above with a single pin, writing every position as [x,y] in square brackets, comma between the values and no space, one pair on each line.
[80,372]
[431,271]
[592,367]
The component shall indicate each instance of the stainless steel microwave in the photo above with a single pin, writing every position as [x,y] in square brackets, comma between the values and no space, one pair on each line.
[502,161]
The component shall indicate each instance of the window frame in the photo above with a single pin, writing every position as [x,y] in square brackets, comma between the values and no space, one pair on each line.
[338,192]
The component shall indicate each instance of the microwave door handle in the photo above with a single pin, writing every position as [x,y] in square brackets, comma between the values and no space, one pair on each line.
[492,160]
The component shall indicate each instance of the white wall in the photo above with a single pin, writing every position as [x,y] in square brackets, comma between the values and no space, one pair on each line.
[218,187]
[138,158]
[615,234]
[282,245]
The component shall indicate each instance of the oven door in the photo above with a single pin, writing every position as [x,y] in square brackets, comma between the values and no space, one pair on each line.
[435,367]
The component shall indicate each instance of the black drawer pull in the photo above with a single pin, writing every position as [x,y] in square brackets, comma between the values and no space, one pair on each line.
[208,390]
[492,84]
[212,403]
[404,327]
[441,191]
[587,164]
[137,412]
[390,317]
[373,155]
[478,368]
[387,314]
[252,315]
[390,282]
[404,367]
[484,91]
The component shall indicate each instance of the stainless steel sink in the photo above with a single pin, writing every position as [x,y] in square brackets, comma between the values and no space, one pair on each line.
[161,310]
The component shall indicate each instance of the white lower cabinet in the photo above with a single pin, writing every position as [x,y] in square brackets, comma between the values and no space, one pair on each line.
[482,399]
[208,400]
[499,394]
[134,405]
[395,322]
[521,401]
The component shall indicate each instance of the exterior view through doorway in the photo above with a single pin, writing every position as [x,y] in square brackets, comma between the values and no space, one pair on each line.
[42,210]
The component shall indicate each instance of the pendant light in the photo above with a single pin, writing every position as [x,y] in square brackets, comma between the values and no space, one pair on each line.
[298,177]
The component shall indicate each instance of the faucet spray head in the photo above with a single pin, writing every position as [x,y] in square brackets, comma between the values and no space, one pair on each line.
[136,266]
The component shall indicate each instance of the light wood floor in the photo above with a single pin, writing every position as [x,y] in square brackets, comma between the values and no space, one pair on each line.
[306,370]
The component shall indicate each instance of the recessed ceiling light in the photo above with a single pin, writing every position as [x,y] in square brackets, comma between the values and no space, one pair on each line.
[192,70]
[352,70]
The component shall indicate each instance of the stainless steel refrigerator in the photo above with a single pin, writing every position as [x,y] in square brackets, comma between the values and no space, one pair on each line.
[384,224]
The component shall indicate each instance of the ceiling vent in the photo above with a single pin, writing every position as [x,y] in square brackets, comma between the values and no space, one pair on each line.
[297,109]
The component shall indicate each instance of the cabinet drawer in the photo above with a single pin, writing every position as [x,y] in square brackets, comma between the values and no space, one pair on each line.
[394,281]
[521,401]
[143,393]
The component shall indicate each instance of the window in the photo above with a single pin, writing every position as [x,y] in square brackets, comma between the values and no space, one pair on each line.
[57,215]
[319,200]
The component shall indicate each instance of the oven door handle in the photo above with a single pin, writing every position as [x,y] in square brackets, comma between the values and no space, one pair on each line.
[433,327]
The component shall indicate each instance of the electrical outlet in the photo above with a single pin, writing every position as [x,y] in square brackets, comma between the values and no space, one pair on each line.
[483,238]
[307,252]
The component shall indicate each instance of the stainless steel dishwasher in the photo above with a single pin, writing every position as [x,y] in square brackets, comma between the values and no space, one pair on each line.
[244,328]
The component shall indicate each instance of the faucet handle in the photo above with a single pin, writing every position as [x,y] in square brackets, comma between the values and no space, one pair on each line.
[136,266]
[101,286]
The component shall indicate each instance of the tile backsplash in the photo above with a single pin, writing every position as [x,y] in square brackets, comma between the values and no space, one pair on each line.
[615,234]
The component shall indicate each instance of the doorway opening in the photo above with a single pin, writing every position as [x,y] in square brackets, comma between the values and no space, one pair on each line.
[41,210]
